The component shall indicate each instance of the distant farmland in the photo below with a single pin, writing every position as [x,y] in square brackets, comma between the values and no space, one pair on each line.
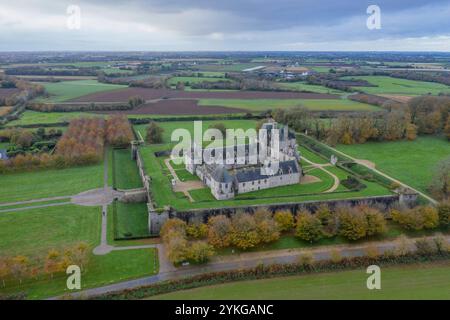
[66,90]
[314,105]
[389,85]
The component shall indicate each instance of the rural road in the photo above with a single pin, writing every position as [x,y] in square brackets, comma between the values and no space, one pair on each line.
[243,261]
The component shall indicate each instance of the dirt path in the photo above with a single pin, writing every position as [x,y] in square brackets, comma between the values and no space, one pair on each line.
[183,186]
[322,167]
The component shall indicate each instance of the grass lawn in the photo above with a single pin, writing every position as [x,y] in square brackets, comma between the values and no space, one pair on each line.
[49,183]
[33,232]
[67,90]
[126,173]
[130,220]
[389,85]
[36,231]
[163,194]
[424,281]
[34,117]
[101,270]
[412,162]
[258,105]
[303,86]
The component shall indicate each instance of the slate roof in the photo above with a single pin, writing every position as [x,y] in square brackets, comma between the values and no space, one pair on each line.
[254,173]
[221,174]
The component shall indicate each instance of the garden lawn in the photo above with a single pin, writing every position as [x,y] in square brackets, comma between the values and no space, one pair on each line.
[424,281]
[35,118]
[126,173]
[389,85]
[35,231]
[130,220]
[259,105]
[412,162]
[67,90]
[49,183]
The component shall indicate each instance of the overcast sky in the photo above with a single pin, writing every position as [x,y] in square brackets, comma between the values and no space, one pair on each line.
[164,25]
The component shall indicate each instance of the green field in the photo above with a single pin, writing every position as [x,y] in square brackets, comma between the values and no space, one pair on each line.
[258,105]
[389,85]
[303,86]
[49,183]
[67,90]
[33,117]
[190,80]
[425,281]
[126,173]
[411,162]
[36,231]
[130,220]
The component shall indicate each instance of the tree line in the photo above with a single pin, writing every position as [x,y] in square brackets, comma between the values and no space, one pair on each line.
[82,144]
[21,268]
[198,242]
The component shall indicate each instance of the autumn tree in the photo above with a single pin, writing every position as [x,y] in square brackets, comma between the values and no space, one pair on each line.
[444,213]
[154,133]
[440,185]
[352,223]
[197,230]
[244,232]
[308,227]
[172,226]
[376,223]
[219,231]
[200,252]
[284,220]
[328,220]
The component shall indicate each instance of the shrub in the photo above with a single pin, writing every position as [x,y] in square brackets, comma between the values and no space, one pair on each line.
[306,259]
[372,251]
[309,227]
[335,255]
[425,247]
[284,220]
[416,219]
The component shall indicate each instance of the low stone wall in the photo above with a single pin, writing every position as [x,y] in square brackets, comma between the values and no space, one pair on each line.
[202,215]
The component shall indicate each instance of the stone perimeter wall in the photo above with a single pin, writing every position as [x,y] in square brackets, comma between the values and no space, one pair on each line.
[202,215]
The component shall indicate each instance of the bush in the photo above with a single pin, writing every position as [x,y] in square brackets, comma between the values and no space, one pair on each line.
[154,133]
[197,230]
[425,247]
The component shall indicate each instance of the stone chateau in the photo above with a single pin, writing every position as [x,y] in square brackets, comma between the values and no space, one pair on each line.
[228,180]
